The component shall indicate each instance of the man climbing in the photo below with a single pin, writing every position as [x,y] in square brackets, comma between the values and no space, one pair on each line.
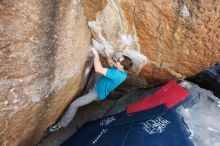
[110,79]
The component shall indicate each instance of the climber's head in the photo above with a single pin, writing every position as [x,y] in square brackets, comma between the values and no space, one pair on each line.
[124,63]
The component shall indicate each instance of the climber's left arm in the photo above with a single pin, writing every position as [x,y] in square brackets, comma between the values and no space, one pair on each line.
[97,64]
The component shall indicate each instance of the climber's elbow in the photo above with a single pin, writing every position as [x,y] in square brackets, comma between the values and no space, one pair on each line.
[101,70]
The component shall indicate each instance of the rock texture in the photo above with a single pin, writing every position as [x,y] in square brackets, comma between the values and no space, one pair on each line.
[199,113]
[166,39]
[43,64]
[44,51]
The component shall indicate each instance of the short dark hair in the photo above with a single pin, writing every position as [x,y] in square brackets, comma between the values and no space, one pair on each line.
[126,62]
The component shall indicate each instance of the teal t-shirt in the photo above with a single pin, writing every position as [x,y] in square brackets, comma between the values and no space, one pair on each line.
[109,82]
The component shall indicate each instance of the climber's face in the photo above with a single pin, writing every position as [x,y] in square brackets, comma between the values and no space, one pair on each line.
[118,63]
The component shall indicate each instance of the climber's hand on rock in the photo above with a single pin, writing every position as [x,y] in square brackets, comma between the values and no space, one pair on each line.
[108,54]
[94,51]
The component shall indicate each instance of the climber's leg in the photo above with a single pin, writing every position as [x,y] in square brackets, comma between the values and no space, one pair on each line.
[71,111]
[81,101]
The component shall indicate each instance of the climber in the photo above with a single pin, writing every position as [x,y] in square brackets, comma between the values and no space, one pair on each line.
[110,78]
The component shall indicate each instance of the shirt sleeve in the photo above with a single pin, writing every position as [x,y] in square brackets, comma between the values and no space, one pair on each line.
[111,74]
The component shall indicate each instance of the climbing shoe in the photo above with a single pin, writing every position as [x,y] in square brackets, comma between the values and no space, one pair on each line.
[54,128]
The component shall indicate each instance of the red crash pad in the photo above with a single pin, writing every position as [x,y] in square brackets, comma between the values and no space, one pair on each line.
[170,94]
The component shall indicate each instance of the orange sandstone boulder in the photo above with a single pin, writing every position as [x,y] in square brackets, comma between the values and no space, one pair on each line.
[44,51]
[43,65]
[166,39]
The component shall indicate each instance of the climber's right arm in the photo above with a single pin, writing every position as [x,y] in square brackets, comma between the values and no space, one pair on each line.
[109,58]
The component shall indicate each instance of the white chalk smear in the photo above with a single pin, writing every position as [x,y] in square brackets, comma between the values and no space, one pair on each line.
[126,40]
[213,130]
[100,47]
[137,57]
[76,1]
[185,11]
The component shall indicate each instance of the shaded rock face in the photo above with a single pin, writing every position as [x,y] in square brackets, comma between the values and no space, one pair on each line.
[209,79]
[43,64]
[166,39]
